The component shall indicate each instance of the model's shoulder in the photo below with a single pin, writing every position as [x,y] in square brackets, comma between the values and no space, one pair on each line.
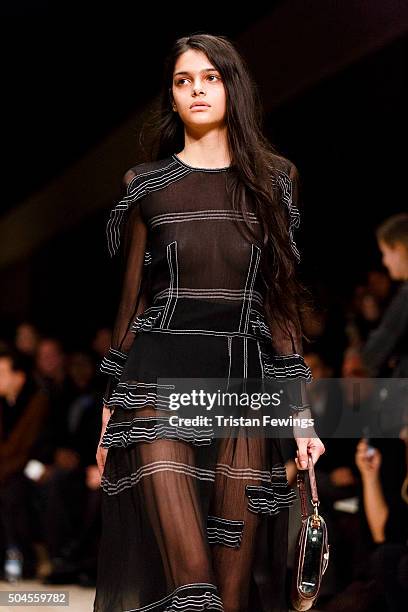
[284,166]
[147,170]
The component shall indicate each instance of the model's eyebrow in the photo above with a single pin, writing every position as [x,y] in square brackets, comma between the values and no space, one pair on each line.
[204,70]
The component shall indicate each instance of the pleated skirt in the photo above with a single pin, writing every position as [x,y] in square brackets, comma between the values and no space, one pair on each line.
[189,523]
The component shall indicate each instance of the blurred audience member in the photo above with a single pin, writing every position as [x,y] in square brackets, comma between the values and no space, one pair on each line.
[380,286]
[50,362]
[381,583]
[390,338]
[27,338]
[24,408]
[72,500]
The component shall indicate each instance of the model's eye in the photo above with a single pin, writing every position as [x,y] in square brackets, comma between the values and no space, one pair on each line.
[210,76]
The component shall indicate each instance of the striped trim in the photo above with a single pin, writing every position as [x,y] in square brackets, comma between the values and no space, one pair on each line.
[286,366]
[113,488]
[249,284]
[203,332]
[151,428]
[141,185]
[113,363]
[286,186]
[269,497]
[124,397]
[174,156]
[224,531]
[200,215]
[194,597]
[226,294]
[278,471]
[159,178]
[174,285]
[147,258]
[266,500]
[229,348]
[147,319]
[260,359]
[259,326]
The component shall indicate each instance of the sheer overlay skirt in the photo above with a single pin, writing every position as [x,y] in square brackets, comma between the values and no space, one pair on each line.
[189,524]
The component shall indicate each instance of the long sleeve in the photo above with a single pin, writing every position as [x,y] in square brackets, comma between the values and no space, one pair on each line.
[387,337]
[134,295]
[288,345]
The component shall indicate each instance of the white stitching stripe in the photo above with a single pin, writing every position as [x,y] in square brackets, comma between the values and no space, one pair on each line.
[147,319]
[260,359]
[285,183]
[246,290]
[113,488]
[183,599]
[257,320]
[286,366]
[150,428]
[245,358]
[139,186]
[224,531]
[173,271]
[200,215]
[203,332]
[226,294]
[125,398]
[176,283]
[113,362]
[229,343]
[147,258]
[277,472]
[265,500]
[258,256]
[251,274]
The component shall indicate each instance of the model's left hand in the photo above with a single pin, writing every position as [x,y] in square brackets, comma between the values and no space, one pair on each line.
[307,441]
[313,446]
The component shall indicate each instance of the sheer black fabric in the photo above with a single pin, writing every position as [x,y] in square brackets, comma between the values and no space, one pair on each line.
[190,509]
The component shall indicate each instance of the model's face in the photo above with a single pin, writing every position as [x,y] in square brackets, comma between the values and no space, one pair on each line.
[195,79]
[395,259]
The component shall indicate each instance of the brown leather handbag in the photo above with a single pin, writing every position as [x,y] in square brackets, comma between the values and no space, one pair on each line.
[312,547]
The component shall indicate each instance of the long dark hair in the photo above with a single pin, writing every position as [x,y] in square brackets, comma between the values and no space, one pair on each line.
[257,168]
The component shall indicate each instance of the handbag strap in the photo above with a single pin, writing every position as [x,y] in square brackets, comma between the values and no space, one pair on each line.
[301,483]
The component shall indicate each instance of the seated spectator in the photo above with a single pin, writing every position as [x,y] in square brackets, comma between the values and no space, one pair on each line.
[24,408]
[71,495]
[379,285]
[381,583]
[26,340]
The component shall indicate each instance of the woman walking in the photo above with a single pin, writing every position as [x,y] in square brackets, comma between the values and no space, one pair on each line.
[209,291]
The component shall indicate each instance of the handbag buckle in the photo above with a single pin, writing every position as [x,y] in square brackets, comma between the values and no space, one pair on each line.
[315,522]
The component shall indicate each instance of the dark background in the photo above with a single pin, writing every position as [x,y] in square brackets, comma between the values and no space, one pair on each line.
[72,74]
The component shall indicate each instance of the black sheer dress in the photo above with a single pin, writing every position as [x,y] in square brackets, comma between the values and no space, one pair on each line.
[183,518]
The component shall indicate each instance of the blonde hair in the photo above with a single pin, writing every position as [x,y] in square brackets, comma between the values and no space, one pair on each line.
[394,229]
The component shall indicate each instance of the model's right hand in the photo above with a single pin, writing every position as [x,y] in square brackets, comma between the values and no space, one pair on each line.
[101,453]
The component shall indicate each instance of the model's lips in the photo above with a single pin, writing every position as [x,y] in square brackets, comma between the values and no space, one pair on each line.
[199,104]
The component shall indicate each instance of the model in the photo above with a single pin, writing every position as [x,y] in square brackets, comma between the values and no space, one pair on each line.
[206,237]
